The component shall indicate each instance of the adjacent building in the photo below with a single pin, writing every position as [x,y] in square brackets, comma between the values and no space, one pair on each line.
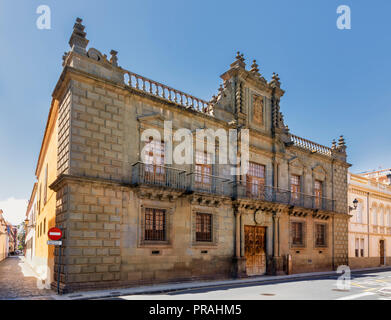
[382,175]
[4,240]
[30,226]
[12,238]
[130,215]
[370,225]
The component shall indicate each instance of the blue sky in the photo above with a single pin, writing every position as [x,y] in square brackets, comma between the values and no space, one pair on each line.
[336,81]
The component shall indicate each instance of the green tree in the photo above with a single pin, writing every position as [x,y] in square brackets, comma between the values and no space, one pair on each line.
[21,237]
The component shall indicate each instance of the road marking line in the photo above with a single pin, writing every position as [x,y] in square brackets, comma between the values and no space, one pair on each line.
[357,285]
[355,296]
[370,289]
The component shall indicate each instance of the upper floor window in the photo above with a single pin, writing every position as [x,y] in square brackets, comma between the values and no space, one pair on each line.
[320,234]
[204,227]
[154,161]
[381,213]
[155,225]
[295,187]
[318,191]
[297,233]
[39,198]
[359,212]
[374,216]
[255,179]
[45,187]
[203,169]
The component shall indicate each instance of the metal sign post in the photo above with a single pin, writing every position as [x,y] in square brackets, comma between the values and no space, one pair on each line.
[55,235]
[59,269]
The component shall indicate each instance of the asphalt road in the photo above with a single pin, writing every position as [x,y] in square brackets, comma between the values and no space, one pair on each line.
[364,286]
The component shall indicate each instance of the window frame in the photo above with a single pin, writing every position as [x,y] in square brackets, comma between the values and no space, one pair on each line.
[200,235]
[318,193]
[154,234]
[295,195]
[215,227]
[169,210]
[253,180]
[324,244]
[302,244]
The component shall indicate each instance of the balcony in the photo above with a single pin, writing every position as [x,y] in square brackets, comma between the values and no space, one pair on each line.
[271,194]
[168,177]
[190,182]
[209,184]
[156,175]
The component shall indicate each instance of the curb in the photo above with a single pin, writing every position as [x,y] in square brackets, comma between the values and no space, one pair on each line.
[174,287]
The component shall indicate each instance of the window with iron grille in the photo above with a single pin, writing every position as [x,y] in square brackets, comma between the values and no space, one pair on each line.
[320,235]
[297,233]
[155,225]
[204,227]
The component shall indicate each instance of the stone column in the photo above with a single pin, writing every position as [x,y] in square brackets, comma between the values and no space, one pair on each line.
[238,234]
[239,261]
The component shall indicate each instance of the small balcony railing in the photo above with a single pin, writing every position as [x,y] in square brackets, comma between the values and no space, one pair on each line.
[209,184]
[271,194]
[157,175]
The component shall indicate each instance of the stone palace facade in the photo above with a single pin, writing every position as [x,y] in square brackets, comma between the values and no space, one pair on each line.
[127,222]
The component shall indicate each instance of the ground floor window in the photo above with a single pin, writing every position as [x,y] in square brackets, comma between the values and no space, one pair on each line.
[320,235]
[155,225]
[297,230]
[204,227]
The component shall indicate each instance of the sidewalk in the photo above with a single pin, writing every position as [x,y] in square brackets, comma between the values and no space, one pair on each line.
[161,288]
[19,282]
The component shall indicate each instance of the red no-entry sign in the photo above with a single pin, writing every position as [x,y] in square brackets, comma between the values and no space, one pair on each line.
[54,234]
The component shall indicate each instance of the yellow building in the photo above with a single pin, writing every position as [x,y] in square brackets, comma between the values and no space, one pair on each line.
[370,225]
[46,173]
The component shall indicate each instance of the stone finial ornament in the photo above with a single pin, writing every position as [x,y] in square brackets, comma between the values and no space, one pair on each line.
[114,58]
[239,62]
[275,80]
[341,142]
[255,69]
[334,145]
[78,41]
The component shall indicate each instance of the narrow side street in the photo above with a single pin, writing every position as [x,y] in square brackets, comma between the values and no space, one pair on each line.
[19,281]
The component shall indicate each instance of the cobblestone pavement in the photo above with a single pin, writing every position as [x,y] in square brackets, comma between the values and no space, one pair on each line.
[19,281]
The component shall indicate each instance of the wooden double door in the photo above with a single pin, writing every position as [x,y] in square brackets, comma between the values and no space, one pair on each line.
[255,250]
[382,252]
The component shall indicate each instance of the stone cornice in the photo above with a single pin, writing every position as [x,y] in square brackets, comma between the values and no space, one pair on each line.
[65,178]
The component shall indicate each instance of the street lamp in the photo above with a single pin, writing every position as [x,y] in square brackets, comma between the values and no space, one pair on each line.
[355,203]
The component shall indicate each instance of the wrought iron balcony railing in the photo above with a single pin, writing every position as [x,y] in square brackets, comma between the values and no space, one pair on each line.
[163,176]
[271,194]
[209,184]
[157,175]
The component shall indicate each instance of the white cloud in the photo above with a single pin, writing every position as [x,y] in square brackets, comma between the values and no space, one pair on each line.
[14,210]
